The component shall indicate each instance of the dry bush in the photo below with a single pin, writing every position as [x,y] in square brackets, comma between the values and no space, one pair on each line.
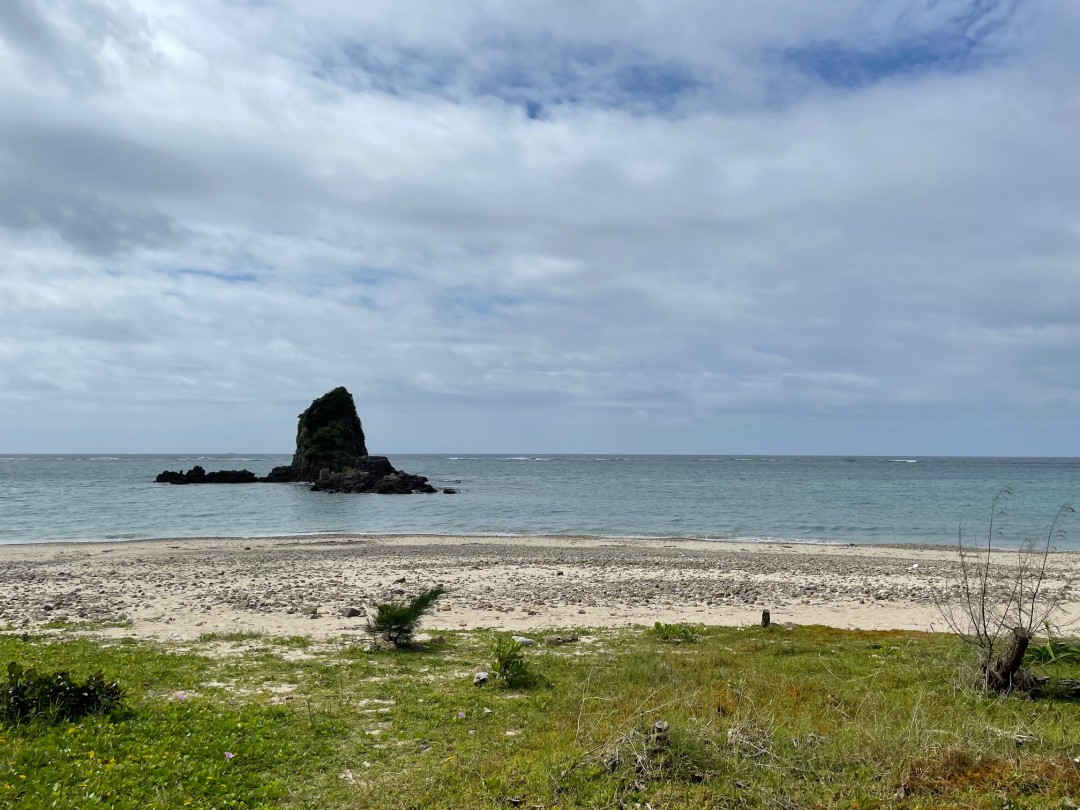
[1000,617]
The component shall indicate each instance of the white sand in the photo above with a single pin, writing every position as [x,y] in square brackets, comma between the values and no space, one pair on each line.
[179,589]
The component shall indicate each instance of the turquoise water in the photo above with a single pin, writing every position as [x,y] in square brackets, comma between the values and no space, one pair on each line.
[808,499]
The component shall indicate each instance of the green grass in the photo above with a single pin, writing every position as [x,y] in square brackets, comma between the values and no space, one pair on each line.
[236,636]
[302,642]
[671,633]
[758,718]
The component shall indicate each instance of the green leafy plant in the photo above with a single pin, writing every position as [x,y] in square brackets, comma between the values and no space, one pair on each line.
[508,657]
[397,622]
[1054,650]
[56,697]
[671,633]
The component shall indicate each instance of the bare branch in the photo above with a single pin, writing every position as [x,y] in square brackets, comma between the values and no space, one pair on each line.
[979,610]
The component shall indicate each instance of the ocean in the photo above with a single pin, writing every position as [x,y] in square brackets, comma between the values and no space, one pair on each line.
[816,499]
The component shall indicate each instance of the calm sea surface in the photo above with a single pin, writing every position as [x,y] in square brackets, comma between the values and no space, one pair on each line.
[808,499]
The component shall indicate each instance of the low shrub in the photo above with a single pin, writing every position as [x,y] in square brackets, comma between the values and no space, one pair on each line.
[55,697]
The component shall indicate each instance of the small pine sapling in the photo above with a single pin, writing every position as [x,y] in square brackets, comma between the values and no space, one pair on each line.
[397,622]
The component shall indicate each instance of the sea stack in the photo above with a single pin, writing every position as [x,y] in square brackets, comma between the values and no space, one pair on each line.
[331,454]
[329,439]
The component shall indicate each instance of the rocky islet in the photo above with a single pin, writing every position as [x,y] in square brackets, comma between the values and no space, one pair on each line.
[331,454]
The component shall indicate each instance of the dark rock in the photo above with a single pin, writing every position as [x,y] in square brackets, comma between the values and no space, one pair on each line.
[353,612]
[281,475]
[556,641]
[230,477]
[329,437]
[373,474]
[449,491]
[197,475]
[331,452]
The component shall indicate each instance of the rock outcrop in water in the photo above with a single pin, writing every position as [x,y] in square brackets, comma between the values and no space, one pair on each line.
[331,452]
[329,440]
[197,475]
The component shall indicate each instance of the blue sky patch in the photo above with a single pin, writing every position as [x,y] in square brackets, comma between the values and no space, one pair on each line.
[965,39]
[536,73]
[839,65]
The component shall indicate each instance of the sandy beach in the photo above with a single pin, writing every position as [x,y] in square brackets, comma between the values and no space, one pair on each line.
[282,586]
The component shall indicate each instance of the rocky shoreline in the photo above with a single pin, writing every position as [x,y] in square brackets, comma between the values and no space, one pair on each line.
[323,586]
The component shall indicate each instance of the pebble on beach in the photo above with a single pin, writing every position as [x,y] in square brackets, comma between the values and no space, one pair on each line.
[189,587]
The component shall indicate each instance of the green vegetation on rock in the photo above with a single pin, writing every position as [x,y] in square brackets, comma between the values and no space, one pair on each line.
[329,436]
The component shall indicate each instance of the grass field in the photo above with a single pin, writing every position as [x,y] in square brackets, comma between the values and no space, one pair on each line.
[803,718]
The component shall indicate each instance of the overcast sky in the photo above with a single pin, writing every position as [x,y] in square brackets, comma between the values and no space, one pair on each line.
[770,226]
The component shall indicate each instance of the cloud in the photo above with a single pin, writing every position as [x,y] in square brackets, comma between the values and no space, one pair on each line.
[74,43]
[783,227]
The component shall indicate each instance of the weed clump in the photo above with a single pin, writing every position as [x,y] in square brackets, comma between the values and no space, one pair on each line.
[660,754]
[55,697]
[508,658]
[1053,650]
[672,633]
[397,622]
